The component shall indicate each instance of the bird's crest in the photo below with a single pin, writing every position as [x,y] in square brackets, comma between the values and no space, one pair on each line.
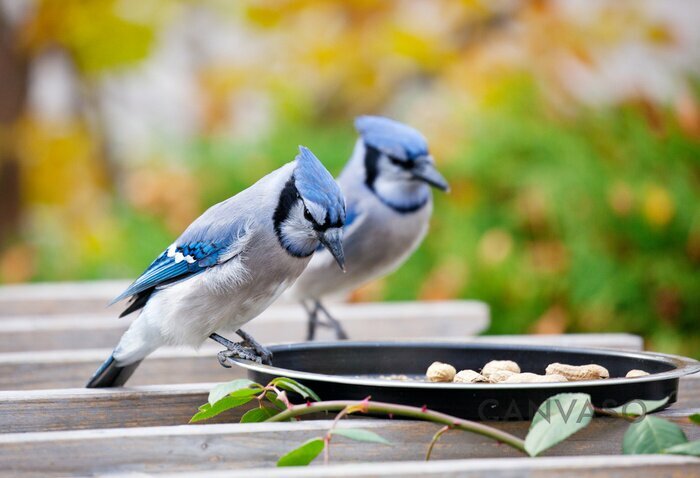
[315,184]
[391,137]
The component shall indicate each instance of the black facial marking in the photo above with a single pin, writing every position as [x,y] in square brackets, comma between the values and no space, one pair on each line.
[288,197]
[407,165]
[327,224]
[372,156]
[371,165]
[308,216]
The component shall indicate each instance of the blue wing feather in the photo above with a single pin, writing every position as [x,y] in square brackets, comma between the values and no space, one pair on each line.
[165,268]
[208,241]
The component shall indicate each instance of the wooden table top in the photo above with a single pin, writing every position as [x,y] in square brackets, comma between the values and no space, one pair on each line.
[50,426]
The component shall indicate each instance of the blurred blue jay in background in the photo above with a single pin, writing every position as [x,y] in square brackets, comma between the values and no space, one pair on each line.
[229,265]
[386,184]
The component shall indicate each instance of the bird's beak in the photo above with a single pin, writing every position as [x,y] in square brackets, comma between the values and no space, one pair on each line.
[332,239]
[424,170]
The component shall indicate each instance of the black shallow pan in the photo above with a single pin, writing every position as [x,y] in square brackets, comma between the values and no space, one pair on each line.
[351,370]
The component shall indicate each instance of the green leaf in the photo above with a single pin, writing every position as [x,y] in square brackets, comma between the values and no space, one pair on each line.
[556,419]
[292,385]
[651,435]
[689,448]
[695,418]
[639,407]
[243,386]
[259,414]
[304,454]
[361,434]
[226,403]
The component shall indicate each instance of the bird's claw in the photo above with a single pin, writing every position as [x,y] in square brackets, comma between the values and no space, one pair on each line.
[239,352]
[264,354]
[223,359]
[247,349]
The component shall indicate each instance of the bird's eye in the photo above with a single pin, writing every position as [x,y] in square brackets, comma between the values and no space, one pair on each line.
[308,216]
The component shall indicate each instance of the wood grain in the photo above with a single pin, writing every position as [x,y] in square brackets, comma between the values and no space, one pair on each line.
[224,446]
[74,332]
[58,297]
[72,369]
[280,323]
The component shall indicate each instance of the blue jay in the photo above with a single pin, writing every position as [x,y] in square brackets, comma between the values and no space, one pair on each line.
[229,265]
[386,184]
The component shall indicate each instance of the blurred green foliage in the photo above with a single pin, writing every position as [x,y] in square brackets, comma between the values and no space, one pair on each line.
[582,224]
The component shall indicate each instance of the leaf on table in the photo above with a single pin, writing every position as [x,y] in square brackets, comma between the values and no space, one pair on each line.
[689,448]
[257,415]
[695,418]
[292,385]
[651,435]
[637,408]
[226,403]
[304,454]
[361,434]
[242,386]
[556,419]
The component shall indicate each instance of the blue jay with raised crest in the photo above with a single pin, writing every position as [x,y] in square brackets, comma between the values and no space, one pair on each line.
[387,186]
[229,265]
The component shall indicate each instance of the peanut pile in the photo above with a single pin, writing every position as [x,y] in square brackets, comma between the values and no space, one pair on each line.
[507,371]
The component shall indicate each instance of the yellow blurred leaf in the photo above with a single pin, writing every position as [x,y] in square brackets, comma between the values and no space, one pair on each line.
[495,246]
[658,206]
[97,33]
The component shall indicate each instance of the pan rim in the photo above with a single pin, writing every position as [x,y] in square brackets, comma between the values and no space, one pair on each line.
[682,365]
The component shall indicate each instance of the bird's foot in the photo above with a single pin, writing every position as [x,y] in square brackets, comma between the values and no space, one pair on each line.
[263,352]
[237,351]
[248,349]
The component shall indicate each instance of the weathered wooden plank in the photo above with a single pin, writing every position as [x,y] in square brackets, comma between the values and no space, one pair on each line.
[58,297]
[77,409]
[80,409]
[225,446]
[689,392]
[72,369]
[606,466]
[366,321]
[72,332]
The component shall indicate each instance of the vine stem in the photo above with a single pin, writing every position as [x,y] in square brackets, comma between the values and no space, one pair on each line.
[403,411]
[327,438]
[435,439]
